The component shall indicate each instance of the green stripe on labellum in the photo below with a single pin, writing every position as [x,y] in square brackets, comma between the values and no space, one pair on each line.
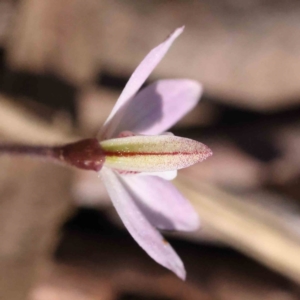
[153,153]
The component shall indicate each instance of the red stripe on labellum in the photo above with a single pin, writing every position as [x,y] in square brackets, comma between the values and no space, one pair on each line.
[129,154]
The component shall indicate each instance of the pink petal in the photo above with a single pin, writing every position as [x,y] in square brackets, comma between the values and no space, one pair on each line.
[157,107]
[153,153]
[167,175]
[139,76]
[162,203]
[141,230]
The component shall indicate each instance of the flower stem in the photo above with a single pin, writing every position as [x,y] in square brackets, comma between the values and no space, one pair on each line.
[85,154]
[30,150]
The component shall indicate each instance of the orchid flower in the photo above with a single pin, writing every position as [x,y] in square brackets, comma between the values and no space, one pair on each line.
[136,157]
[139,156]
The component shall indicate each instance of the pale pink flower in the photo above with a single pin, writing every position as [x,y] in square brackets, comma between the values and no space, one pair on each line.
[135,155]
[139,156]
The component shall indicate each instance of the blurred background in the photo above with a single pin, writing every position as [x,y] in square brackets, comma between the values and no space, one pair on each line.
[63,65]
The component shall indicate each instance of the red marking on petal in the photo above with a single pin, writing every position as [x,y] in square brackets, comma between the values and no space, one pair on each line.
[206,153]
[126,134]
[123,172]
